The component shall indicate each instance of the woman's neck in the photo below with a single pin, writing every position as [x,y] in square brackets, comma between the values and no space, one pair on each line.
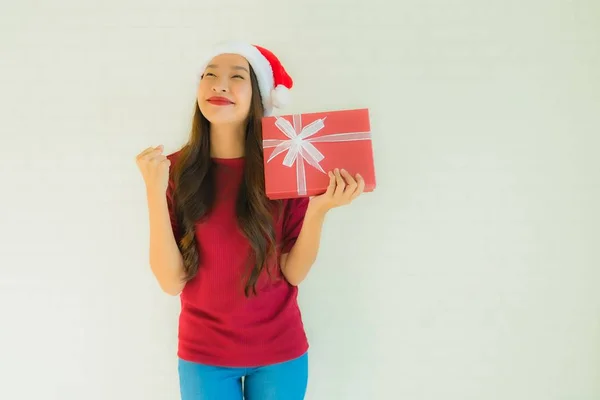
[227,141]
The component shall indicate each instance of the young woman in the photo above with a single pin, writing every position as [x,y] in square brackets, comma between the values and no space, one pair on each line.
[235,257]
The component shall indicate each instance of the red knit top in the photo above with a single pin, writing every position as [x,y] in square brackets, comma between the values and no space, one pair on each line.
[218,325]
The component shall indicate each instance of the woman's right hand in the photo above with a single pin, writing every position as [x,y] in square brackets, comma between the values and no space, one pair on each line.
[154,167]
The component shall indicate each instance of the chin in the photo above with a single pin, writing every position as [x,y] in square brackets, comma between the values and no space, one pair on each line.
[222,115]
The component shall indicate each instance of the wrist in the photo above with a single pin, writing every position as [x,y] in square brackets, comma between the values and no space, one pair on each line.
[316,211]
[155,195]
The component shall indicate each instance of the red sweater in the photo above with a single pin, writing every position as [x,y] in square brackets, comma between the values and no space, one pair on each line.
[218,325]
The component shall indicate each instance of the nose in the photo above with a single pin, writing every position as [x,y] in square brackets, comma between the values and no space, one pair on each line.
[220,86]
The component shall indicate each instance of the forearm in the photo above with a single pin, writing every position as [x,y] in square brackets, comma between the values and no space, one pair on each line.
[166,261]
[304,252]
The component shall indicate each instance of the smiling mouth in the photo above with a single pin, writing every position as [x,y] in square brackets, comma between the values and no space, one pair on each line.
[220,101]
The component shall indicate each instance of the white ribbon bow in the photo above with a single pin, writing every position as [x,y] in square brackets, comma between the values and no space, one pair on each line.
[300,148]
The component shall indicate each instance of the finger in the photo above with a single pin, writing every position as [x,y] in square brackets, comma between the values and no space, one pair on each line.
[151,150]
[351,184]
[158,158]
[340,185]
[158,149]
[143,153]
[360,188]
[155,154]
[166,163]
[331,187]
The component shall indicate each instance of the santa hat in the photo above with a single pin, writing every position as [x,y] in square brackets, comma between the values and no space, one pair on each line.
[274,83]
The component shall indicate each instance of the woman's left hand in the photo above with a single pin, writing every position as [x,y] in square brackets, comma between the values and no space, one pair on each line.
[342,190]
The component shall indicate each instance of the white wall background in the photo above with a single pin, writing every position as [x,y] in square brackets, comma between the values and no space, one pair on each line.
[472,271]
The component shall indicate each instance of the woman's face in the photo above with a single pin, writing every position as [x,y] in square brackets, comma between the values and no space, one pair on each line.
[225,91]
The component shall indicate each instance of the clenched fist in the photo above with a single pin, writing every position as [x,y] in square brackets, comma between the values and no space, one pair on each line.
[154,166]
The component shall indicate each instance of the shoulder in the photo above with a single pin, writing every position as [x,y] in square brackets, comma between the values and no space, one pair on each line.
[296,206]
[296,202]
[174,156]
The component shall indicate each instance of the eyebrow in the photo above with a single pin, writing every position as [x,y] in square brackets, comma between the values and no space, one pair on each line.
[236,67]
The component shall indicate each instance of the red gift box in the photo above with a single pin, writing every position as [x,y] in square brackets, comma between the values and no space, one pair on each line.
[300,149]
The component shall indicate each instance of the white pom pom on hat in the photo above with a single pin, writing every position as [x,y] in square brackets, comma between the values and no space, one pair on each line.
[280,96]
[273,80]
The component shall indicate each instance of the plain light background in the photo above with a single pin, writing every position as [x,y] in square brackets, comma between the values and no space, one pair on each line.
[472,271]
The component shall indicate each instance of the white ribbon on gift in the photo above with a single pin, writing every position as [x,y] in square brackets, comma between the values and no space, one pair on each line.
[300,148]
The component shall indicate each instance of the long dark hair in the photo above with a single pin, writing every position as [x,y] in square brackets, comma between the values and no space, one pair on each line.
[194,193]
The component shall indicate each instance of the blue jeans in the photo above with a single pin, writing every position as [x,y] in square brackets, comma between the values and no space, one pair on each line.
[286,380]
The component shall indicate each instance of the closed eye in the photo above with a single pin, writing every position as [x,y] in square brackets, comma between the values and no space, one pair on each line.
[238,76]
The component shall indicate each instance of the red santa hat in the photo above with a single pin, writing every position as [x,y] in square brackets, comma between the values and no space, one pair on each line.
[274,83]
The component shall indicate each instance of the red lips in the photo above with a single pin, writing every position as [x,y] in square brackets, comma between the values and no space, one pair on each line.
[219,101]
